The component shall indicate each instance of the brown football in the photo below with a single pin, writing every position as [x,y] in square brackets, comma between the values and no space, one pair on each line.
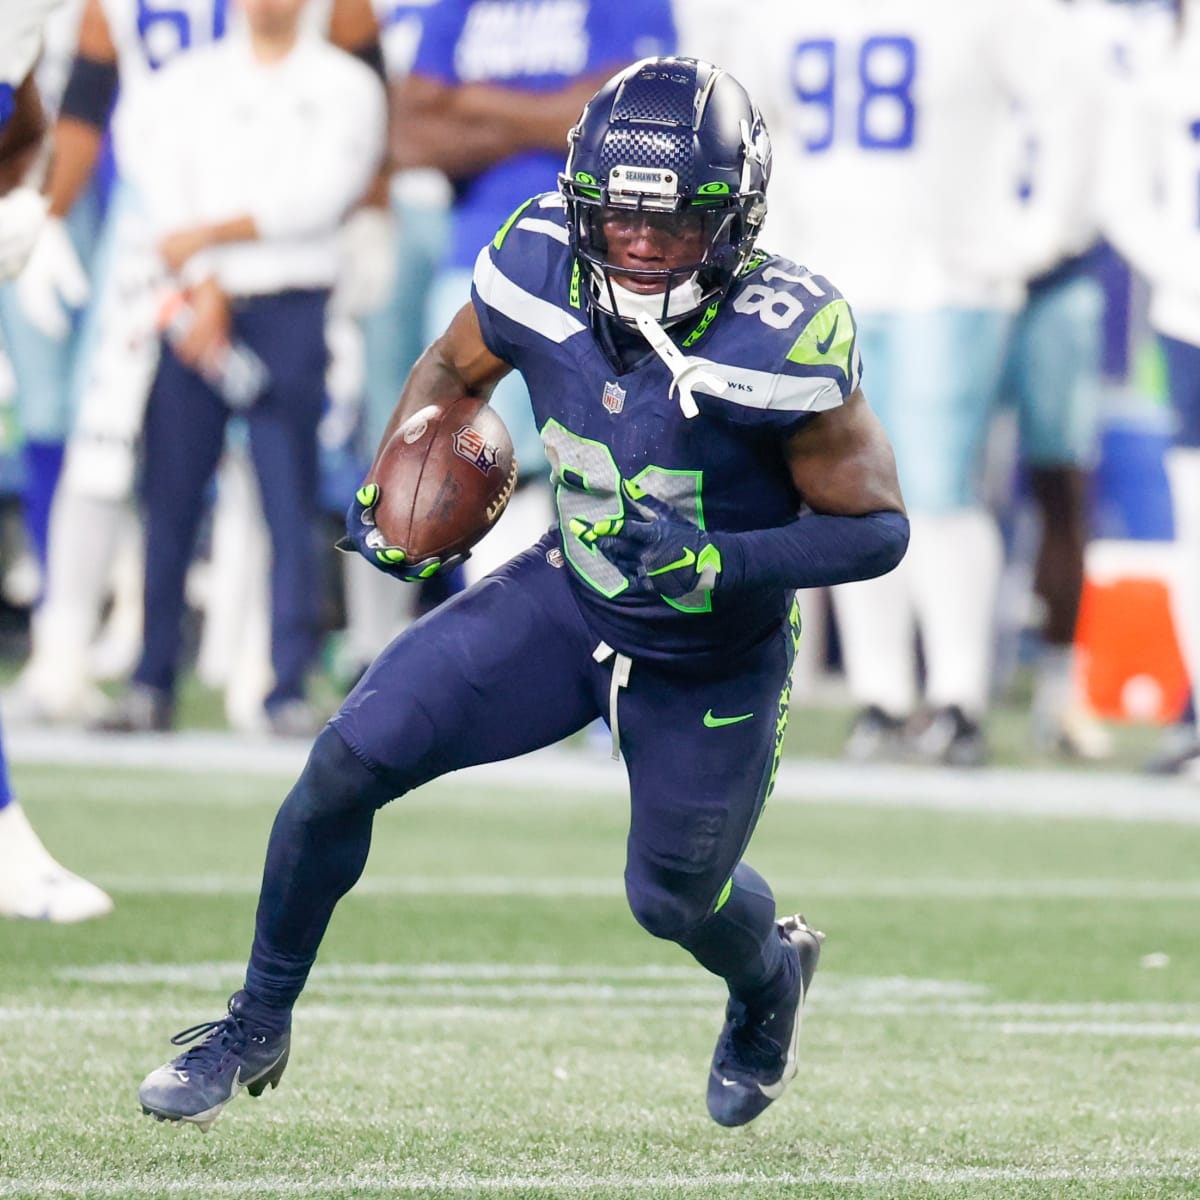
[445,476]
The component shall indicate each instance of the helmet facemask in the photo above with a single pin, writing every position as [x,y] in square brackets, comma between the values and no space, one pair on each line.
[676,149]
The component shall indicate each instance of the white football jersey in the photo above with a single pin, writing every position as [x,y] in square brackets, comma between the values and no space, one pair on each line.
[897,147]
[22,23]
[146,37]
[1152,181]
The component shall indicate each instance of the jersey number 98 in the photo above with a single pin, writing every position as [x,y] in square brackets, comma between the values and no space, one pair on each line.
[885,115]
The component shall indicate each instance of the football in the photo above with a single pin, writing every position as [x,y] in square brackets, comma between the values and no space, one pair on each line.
[445,476]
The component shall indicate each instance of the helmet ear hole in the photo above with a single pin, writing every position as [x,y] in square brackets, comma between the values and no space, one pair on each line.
[669,136]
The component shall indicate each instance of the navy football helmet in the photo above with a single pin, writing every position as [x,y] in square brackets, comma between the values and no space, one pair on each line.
[680,143]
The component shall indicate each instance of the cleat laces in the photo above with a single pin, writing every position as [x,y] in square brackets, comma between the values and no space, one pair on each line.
[747,1043]
[220,1037]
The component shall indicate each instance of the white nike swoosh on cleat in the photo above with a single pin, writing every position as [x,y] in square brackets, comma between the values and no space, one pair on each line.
[773,1091]
[729,1083]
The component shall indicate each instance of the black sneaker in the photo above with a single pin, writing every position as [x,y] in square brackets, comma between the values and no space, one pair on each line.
[755,1058]
[875,736]
[1178,754]
[948,736]
[238,1051]
[141,709]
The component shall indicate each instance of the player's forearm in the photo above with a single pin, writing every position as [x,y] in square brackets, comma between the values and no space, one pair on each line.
[22,138]
[815,550]
[458,363]
[76,149]
[456,147]
[527,120]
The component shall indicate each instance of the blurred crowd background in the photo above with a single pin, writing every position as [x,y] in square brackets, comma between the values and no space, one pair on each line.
[1006,191]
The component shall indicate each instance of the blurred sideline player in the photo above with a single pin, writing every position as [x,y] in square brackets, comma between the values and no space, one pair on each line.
[897,152]
[1153,218]
[394,333]
[120,42]
[32,884]
[693,396]
[489,101]
[1053,370]
[257,175]
[42,365]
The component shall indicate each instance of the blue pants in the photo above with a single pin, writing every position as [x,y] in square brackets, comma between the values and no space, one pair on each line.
[184,436]
[1183,386]
[504,668]
[1052,373]
[932,378]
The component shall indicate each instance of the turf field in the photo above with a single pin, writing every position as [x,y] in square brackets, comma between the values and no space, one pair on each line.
[1008,1005]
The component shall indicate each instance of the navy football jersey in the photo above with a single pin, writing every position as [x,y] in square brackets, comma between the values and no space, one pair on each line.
[783,339]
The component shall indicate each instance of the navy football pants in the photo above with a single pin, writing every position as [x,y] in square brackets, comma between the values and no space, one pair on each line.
[183,441]
[502,669]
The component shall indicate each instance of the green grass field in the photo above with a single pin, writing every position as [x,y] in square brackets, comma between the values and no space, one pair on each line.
[1008,1006]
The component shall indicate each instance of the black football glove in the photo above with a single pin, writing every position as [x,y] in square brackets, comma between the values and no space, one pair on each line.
[663,555]
[363,537]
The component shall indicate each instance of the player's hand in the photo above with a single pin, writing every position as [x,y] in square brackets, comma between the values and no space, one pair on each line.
[365,538]
[367,266]
[177,248]
[53,281]
[208,336]
[660,553]
[22,213]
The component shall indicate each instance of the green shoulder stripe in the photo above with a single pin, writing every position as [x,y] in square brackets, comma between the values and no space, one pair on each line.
[502,232]
[827,340]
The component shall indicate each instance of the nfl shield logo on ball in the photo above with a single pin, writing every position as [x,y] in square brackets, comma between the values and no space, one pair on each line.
[469,444]
[614,397]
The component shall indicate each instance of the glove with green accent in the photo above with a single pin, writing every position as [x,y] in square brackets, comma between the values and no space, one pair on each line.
[664,555]
[365,538]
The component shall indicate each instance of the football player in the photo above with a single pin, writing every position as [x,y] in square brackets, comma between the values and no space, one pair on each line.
[121,42]
[711,451]
[897,151]
[32,883]
[1152,209]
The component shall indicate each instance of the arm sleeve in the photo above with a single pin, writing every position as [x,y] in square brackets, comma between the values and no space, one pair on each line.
[312,195]
[815,550]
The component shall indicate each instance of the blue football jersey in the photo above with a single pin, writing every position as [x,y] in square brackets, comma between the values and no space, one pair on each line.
[784,341]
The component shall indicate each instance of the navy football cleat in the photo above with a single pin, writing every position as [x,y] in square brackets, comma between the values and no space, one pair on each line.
[755,1058]
[238,1051]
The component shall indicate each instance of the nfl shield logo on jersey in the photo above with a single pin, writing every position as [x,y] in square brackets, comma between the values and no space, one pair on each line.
[614,397]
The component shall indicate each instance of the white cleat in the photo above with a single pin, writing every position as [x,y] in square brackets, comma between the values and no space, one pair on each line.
[33,886]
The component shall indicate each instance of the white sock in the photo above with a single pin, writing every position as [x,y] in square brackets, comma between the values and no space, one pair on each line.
[1054,682]
[1183,471]
[84,532]
[954,561]
[875,626]
[119,645]
[377,609]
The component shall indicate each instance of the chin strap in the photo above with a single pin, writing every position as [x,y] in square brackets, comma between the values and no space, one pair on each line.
[686,373]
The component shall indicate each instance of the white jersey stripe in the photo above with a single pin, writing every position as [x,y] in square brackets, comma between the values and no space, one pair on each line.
[499,292]
[780,393]
[549,228]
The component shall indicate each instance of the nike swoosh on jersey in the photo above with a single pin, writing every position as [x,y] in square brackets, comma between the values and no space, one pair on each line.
[711,722]
[823,344]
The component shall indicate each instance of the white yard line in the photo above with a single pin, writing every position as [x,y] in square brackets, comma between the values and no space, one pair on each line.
[604,887]
[384,1182]
[1109,795]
